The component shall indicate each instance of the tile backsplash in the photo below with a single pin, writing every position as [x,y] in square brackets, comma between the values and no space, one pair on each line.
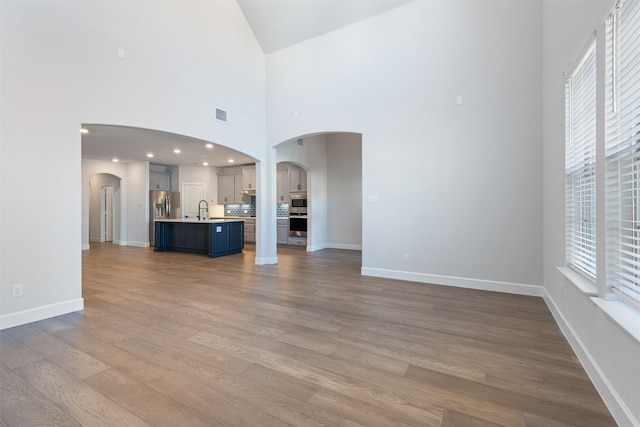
[239,210]
[250,210]
[282,209]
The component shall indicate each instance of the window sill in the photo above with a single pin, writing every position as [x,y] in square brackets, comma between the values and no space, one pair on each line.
[585,285]
[622,314]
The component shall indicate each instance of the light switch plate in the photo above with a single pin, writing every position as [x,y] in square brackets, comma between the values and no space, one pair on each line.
[16,291]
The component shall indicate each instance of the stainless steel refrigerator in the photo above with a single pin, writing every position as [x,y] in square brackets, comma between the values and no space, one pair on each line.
[162,205]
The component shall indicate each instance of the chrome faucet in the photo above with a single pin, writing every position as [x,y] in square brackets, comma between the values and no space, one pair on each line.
[200,209]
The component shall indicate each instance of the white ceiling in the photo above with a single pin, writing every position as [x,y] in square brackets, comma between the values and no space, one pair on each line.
[276,25]
[281,23]
[129,144]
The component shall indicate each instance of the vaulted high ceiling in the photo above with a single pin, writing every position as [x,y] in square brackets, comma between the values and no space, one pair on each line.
[276,25]
[281,23]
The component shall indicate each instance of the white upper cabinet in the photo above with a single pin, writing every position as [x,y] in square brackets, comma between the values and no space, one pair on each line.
[249,178]
[226,189]
[232,181]
[297,179]
[283,186]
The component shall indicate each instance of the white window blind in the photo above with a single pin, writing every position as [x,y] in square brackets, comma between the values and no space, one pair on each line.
[622,150]
[580,168]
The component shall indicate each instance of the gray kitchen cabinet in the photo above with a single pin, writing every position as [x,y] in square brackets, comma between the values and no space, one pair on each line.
[283,231]
[226,188]
[283,186]
[296,241]
[229,187]
[297,179]
[250,230]
[249,178]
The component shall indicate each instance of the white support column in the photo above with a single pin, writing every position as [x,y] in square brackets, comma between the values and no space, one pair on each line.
[266,224]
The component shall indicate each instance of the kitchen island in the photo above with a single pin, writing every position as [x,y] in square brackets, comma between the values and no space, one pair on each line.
[214,237]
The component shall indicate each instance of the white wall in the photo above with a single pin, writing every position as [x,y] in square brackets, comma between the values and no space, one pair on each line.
[469,176]
[212,193]
[59,69]
[175,177]
[608,353]
[138,204]
[312,156]
[201,175]
[344,191]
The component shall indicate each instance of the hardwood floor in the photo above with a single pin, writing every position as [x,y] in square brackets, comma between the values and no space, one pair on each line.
[186,340]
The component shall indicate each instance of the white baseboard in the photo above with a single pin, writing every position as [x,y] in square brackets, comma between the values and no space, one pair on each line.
[321,246]
[610,396]
[460,282]
[39,313]
[136,244]
[267,260]
[314,248]
[85,247]
[344,246]
[94,239]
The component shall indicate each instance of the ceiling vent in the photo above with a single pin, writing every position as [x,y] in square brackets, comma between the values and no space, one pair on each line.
[221,115]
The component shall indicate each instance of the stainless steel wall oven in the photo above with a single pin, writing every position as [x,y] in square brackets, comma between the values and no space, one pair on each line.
[298,224]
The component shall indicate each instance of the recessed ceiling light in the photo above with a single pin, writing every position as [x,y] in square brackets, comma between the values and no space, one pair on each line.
[83,130]
[209,145]
[149,155]
[177,151]
[115,160]
[205,164]
[230,160]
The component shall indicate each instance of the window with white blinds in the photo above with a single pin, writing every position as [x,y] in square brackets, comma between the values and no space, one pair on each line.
[622,150]
[580,165]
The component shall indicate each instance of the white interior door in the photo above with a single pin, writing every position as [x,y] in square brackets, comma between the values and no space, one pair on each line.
[106,216]
[192,194]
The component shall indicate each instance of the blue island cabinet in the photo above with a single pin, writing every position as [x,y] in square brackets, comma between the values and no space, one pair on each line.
[216,238]
[226,238]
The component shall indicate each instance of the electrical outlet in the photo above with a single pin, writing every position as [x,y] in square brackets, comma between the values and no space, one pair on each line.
[407,258]
[16,291]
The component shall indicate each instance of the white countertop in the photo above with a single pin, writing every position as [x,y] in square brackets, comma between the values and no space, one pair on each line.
[195,220]
[243,217]
[233,217]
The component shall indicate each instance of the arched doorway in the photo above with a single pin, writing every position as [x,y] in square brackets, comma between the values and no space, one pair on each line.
[137,156]
[333,164]
[292,205]
[104,208]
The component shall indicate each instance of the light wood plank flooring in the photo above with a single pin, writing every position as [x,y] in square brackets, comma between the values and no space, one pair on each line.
[186,340]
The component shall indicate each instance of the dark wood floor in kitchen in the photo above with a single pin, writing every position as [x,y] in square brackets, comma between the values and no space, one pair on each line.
[185,340]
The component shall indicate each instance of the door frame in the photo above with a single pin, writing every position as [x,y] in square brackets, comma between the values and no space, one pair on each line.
[183,197]
[105,225]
